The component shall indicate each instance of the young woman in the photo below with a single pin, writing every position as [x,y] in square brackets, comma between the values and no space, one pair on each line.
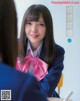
[38,52]
[23,87]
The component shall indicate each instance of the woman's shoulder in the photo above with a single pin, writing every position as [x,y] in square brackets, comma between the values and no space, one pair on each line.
[59,49]
[11,71]
[25,84]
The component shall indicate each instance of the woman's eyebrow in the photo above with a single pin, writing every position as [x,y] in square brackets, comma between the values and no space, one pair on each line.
[40,21]
[34,21]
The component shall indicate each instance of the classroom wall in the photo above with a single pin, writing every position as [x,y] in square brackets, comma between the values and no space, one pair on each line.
[72,56]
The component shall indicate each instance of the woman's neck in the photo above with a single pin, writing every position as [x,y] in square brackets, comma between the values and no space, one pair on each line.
[34,46]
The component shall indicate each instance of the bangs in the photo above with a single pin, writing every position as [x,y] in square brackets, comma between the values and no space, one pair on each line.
[33,15]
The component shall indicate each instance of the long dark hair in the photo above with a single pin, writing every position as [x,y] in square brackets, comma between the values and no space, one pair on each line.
[33,13]
[8,32]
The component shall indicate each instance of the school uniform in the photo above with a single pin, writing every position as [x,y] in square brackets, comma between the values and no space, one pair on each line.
[48,81]
[23,86]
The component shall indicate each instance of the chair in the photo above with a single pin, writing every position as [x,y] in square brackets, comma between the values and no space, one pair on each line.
[60,84]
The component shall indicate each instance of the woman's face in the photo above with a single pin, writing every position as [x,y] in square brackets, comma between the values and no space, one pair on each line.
[35,31]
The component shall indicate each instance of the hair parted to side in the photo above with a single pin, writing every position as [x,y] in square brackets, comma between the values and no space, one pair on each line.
[33,13]
[8,32]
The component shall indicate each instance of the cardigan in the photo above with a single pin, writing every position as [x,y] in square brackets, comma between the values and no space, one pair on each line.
[23,86]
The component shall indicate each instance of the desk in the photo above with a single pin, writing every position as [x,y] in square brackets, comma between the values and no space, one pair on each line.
[57,99]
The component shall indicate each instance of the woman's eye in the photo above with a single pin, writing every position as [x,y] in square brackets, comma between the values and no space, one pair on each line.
[41,24]
[28,23]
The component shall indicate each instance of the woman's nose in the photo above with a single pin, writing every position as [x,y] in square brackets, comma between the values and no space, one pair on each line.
[34,28]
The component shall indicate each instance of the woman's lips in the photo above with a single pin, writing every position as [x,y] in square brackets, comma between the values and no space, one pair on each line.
[35,36]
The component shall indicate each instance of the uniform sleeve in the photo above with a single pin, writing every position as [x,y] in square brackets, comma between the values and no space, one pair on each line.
[31,91]
[50,81]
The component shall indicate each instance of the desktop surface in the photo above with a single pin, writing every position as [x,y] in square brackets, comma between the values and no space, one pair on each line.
[57,99]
